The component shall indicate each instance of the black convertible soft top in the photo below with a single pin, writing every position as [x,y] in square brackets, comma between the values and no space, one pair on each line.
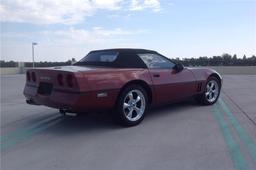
[128,50]
[126,58]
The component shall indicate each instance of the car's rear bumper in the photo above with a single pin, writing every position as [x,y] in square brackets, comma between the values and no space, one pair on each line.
[69,100]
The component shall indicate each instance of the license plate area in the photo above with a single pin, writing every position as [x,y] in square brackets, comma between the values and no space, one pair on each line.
[45,88]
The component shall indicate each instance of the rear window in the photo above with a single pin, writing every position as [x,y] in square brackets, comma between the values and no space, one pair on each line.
[111,58]
[101,56]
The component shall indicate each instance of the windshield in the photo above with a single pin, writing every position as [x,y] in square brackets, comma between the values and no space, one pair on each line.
[99,58]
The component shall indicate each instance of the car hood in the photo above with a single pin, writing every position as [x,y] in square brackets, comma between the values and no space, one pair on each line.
[203,72]
[202,69]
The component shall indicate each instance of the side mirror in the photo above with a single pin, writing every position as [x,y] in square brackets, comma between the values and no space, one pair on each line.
[178,67]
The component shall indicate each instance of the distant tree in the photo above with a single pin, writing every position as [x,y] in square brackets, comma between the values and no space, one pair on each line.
[234,60]
[227,59]
[73,60]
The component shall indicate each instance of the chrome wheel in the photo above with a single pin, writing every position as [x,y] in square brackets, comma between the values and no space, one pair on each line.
[212,91]
[134,105]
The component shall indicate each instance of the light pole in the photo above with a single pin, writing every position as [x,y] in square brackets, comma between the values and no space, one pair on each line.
[33,53]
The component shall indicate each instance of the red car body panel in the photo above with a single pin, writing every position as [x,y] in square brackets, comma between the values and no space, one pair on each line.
[89,83]
[170,86]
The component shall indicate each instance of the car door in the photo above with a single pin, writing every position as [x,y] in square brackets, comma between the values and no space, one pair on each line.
[168,83]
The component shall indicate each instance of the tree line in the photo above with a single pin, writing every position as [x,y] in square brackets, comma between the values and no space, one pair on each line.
[223,60]
[37,64]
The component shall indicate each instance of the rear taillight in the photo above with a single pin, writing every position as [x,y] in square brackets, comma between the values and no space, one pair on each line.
[33,76]
[70,80]
[60,79]
[28,76]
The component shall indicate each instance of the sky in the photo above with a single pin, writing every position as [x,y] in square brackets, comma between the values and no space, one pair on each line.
[66,29]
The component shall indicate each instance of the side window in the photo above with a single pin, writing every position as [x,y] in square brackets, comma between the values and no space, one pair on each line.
[155,61]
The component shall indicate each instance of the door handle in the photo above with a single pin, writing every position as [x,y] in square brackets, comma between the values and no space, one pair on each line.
[156,75]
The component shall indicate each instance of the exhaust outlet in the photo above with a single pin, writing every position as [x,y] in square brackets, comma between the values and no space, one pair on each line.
[32,102]
[67,112]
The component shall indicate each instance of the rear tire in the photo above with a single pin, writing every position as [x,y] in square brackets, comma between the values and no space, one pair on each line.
[131,106]
[211,92]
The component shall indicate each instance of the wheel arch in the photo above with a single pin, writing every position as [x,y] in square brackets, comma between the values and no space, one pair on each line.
[216,75]
[141,83]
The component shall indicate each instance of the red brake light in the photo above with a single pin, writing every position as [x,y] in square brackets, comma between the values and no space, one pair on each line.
[70,80]
[28,76]
[60,79]
[33,76]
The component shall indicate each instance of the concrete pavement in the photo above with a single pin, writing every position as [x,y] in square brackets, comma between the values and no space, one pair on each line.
[177,136]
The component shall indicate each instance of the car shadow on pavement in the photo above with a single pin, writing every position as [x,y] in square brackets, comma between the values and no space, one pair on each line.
[172,107]
[101,121]
[89,124]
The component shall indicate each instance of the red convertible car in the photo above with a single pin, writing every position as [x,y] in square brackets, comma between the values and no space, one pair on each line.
[127,81]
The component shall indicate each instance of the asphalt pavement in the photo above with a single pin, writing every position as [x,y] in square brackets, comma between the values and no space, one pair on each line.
[178,136]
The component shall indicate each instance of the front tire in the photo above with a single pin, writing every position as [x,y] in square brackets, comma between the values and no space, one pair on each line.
[131,106]
[211,92]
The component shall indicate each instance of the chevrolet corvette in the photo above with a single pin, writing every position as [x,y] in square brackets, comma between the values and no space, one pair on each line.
[127,81]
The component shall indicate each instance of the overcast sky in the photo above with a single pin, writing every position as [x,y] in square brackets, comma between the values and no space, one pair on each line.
[66,29]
